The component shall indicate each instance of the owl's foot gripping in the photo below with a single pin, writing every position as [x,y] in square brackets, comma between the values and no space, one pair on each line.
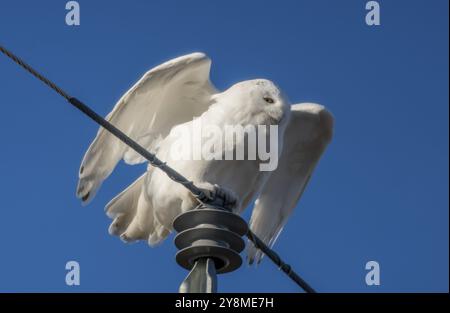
[220,196]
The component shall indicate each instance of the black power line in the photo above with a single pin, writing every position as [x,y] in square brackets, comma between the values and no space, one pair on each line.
[153,160]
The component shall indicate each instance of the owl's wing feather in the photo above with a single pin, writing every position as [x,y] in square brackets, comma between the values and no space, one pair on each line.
[167,95]
[307,135]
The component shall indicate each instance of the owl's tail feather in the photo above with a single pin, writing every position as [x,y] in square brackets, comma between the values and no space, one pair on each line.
[133,216]
[123,210]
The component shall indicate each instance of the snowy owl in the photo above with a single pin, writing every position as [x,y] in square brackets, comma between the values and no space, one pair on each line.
[171,99]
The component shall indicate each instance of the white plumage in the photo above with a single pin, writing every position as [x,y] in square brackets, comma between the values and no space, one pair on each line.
[168,100]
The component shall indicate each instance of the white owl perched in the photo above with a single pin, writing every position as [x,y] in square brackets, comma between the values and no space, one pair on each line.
[171,99]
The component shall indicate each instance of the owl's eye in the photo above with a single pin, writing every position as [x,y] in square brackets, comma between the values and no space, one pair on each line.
[268,100]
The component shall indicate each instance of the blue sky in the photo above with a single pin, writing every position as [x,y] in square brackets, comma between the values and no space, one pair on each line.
[379,193]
